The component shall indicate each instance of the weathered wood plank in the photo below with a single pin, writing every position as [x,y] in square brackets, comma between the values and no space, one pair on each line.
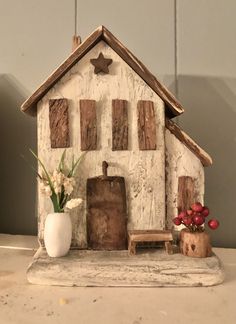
[150,236]
[88,125]
[59,123]
[106,213]
[185,193]
[116,268]
[119,125]
[146,125]
[188,142]
[136,236]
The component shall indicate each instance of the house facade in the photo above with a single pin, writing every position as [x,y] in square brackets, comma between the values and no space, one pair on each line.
[123,117]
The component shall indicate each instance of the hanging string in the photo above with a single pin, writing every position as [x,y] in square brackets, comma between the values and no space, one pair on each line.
[176,49]
[76,38]
[76,17]
[176,52]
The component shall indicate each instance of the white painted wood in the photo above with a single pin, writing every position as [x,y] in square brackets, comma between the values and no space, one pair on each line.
[117,268]
[144,171]
[180,161]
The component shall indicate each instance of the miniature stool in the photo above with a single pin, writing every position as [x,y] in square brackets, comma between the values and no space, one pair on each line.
[135,236]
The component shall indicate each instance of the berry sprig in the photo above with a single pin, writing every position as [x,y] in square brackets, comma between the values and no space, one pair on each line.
[195,217]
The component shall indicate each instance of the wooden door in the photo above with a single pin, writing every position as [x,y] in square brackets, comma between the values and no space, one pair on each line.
[106,213]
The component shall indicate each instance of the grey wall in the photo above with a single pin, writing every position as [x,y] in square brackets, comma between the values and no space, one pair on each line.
[36,36]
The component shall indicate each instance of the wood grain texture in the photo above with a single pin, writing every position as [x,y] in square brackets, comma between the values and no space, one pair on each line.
[173,107]
[146,125]
[118,269]
[180,161]
[186,193]
[88,125]
[106,213]
[145,182]
[196,245]
[59,123]
[135,236]
[190,144]
[150,235]
[119,125]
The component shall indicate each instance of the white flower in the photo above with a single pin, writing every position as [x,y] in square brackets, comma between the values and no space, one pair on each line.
[48,191]
[69,184]
[57,181]
[73,203]
[45,189]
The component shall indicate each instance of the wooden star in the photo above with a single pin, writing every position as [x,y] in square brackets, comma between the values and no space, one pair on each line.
[101,64]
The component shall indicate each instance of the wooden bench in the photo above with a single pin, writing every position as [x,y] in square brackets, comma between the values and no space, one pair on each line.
[136,236]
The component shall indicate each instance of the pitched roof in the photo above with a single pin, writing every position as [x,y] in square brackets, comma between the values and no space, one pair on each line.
[173,107]
[189,143]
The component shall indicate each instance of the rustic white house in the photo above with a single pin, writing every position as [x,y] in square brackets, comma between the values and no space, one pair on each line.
[103,100]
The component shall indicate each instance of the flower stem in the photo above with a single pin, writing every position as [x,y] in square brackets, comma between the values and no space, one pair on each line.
[56,206]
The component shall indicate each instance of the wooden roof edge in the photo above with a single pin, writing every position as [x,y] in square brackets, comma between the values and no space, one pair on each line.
[173,107]
[202,155]
[29,105]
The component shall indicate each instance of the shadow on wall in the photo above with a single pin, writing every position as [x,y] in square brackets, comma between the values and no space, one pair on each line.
[210,119]
[18,183]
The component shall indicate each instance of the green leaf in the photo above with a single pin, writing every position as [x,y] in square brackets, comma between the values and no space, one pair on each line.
[64,201]
[56,206]
[45,170]
[61,163]
[75,165]
[38,175]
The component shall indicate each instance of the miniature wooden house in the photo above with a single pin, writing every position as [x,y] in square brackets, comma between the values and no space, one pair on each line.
[104,101]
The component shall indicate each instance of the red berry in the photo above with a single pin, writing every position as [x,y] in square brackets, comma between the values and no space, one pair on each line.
[198,220]
[182,214]
[177,221]
[187,220]
[197,207]
[213,223]
[205,211]
[189,212]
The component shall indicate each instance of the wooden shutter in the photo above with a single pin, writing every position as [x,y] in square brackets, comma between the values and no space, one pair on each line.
[185,193]
[119,125]
[146,125]
[88,125]
[59,123]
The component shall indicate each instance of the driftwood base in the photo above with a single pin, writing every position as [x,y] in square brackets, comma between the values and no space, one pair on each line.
[117,269]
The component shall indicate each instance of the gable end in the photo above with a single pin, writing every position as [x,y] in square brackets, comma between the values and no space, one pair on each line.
[173,107]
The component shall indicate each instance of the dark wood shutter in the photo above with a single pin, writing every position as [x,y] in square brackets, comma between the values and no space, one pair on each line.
[146,125]
[186,192]
[88,125]
[119,125]
[59,123]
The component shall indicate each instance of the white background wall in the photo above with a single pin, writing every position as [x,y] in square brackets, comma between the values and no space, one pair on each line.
[36,36]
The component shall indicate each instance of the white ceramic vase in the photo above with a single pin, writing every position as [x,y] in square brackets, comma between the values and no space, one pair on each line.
[57,234]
